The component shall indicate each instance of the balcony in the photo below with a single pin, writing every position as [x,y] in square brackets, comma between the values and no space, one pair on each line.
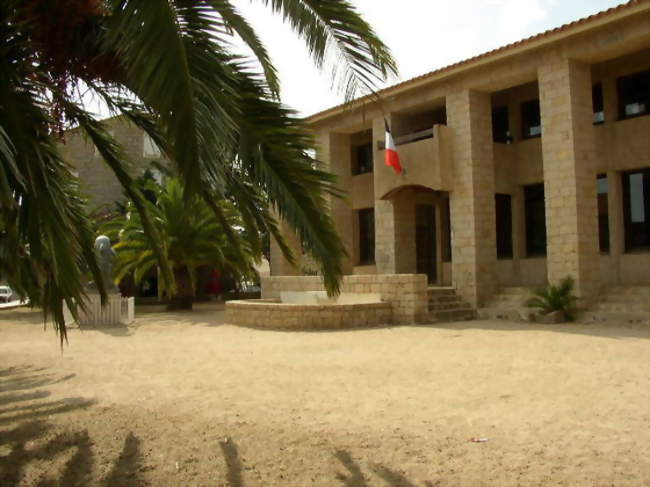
[426,160]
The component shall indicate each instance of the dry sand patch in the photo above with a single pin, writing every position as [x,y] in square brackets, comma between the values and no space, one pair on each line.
[181,399]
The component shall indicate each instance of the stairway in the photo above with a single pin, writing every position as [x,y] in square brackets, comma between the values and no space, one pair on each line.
[508,304]
[445,305]
[627,304]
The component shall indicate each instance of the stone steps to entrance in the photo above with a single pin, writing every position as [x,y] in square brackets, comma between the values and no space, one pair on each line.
[626,304]
[508,304]
[445,305]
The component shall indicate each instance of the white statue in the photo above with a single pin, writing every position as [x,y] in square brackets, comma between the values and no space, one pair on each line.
[105,256]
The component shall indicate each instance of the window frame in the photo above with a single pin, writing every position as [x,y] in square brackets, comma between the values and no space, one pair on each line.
[356,152]
[525,128]
[622,102]
[630,246]
[507,252]
[366,242]
[528,223]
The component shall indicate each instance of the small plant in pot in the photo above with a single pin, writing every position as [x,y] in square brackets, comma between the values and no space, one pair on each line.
[555,302]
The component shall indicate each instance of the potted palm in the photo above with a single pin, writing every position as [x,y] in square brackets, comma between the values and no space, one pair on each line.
[556,302]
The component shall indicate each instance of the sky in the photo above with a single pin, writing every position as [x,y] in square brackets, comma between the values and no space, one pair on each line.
[423,35]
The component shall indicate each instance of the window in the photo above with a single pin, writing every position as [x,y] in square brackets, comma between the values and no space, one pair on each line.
[446,232]
[634,95]
[366,236]
[597,101]
[501,126]
[504,225]
[149,148]
[636,209]
[531,119]
[603,213]
[362,159]
[535,220]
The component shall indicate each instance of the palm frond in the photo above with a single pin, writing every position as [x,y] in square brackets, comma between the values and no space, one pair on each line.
[365,61]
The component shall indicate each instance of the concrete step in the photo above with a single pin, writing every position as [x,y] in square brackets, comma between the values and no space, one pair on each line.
[458,314]
[515,290]
[443,298]
[447,306]
[626,291]
[511,314]
[617,317]
[622,307]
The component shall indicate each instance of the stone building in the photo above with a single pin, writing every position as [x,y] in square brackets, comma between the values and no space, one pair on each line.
[522,165]
[97,180]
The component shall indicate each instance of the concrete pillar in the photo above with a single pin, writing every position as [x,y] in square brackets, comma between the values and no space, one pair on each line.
[279,265]
[569,174]
[385,238]
[335,150]
[404,226]
[469,116]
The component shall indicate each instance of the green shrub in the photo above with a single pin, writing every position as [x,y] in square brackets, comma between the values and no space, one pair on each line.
[558,297]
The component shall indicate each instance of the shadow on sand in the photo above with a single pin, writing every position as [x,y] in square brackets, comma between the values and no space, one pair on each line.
[30,438]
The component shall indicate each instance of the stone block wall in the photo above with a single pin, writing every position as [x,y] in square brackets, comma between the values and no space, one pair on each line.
[97,180]
[406,293]
[570,174]
[274,315]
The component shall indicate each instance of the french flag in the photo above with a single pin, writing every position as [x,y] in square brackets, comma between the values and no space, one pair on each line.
[392,157]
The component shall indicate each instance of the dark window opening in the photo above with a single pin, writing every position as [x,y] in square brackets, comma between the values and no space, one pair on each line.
[531,119]
[535,220]
[634,95]
[366,236]
[603,213]
[501,126]
[636,209]
[363,159]
[597,101]
[446,232]
[504,225]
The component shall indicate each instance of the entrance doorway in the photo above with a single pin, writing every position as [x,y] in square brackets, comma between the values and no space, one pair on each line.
[425,241]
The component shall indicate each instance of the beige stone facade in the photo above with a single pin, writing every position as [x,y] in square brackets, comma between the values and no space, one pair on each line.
[98,182]
[522,165]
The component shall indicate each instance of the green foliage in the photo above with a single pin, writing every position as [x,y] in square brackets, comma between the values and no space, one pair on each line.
[558,297]
[168,68]
[192,237]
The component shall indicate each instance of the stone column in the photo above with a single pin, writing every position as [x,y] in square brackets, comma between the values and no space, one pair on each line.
[385,241]
[569,174]
[404,227]
[279,265]
[335,151]
[469,115]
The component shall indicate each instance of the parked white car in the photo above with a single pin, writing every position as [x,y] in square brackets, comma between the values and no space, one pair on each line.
[6,294]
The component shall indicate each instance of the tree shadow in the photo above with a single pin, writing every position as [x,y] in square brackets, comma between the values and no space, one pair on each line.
[125,471]
[356,477]
[233,463]
[33,440]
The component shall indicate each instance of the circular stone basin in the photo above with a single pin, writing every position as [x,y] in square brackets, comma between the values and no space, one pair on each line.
[306,312]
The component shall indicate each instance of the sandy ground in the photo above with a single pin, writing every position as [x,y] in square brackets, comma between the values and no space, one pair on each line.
[184,400]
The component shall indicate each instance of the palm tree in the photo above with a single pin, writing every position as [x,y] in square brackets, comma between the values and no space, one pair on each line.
[191,237]
[168,67]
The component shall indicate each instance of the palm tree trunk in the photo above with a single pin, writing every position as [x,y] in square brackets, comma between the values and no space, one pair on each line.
[184,294]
